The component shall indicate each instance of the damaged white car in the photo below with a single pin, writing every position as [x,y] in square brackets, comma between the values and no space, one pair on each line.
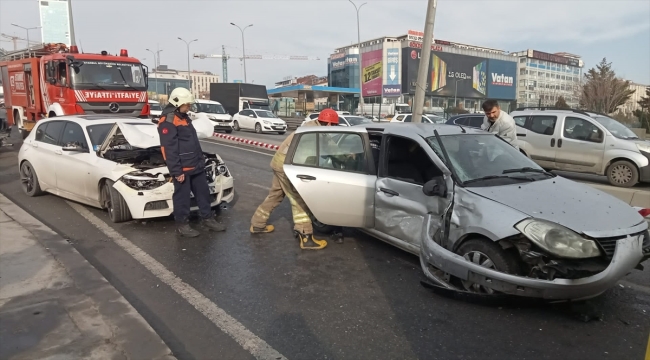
[481,216]
[109,163]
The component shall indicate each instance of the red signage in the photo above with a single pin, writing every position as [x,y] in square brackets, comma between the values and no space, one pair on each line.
[418,45]
[554,58]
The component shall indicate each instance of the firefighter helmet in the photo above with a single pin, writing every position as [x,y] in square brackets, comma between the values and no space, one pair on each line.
[329,116]
[181,96]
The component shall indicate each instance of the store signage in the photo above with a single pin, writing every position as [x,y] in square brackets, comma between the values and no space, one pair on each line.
[372,72]
[418,45]
[392,63]
[502,80]
[392,90]
[337,56]
[554,58]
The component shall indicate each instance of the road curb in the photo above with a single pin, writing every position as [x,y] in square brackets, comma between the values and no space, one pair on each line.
[247,141]
[134,335]
[633,197]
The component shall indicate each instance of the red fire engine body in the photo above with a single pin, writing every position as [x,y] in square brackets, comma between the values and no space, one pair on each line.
[56,80]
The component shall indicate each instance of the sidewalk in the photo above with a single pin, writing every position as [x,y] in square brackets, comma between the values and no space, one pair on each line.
[55,305]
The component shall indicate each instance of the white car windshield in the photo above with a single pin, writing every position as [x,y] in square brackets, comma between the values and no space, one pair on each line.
[616,128]
[357,120]
[209,108]
[98,133]
[476,157]
[265,114]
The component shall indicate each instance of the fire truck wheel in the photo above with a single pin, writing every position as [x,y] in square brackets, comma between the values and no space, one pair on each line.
[29,180]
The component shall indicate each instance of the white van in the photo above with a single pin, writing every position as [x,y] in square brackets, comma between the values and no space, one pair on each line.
[155,109]
[213,111]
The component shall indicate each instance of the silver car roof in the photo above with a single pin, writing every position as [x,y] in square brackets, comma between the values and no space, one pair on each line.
[405,129]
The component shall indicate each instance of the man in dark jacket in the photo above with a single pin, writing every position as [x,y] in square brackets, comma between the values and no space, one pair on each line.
[182,152]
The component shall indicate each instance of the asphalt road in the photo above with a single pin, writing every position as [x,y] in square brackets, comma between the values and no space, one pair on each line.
[358,300]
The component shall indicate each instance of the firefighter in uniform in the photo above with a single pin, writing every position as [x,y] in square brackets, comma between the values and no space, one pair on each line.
[281,187]
[182,152]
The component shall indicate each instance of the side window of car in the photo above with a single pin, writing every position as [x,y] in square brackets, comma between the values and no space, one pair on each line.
[406,161]
[580,129]
[52,133]
[313,116]
[399,118]
[253,113]
[407,118]
[40,132]
[544,125]
[347,153]
[306,151]
[475,121]
[74,134]
[461,121]
[244,112]
[520,121]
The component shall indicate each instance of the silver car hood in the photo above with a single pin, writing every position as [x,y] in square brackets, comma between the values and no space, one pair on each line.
[578,207]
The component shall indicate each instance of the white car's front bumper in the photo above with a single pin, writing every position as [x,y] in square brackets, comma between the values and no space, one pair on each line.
[274,127]
[145,204]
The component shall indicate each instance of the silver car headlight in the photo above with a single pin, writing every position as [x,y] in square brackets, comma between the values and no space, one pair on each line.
[643,147]
[557,239]
[144,181]
[223,170]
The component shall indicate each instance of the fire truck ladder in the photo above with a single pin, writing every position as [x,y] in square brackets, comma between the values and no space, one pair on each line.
[225,57]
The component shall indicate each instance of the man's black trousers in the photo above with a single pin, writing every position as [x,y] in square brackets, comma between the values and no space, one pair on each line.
[198,185]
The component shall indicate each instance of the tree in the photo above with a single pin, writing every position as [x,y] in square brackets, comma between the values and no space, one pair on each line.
[602,91]
[561,103]
[644,103]
[644,114]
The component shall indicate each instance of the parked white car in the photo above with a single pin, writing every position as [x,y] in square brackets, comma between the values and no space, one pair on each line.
[155,109]
[213,111]
[259,120]
[109,163]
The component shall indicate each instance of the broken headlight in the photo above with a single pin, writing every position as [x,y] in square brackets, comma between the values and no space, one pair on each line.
[558,240]
[144,181]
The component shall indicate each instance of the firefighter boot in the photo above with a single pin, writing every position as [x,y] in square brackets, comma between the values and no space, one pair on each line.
[186,230]
[308,242]
[213,225]
[264,230]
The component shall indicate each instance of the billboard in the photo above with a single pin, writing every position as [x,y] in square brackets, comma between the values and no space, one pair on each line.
[553,58]
[55,22]
[392,67]
[372,70]
[501,82]
[458,75]
[391,90]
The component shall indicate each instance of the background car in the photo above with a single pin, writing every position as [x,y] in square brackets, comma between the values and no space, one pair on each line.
[113,164]
[155,109]
[578,141]
[314,115]
[351,120]
[407,118]
[259,120]
[469,120]
[482,216]
[214,112]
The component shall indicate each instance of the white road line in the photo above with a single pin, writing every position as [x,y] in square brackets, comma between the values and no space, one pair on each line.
[234,147]
[259,186]
[249,341]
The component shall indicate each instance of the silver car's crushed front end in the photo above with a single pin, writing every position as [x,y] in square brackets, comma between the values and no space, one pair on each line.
[621,255]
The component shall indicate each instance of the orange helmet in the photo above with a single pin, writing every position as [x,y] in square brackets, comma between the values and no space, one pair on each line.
[329,116]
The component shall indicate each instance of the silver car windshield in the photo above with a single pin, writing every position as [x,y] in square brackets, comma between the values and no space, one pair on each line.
[480,157]
[616,128]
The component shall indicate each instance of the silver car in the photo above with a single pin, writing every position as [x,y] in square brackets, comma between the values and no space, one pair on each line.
[481,216]
[573,140]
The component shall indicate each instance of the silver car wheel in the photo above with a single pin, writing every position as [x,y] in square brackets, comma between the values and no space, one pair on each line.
[621,174]
[483,260]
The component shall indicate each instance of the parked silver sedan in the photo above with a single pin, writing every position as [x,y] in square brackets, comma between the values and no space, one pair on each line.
[481,216]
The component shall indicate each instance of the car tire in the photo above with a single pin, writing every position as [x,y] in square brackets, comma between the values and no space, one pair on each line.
[29,180]
[258,128]
[489,254]
[228,131]
[235,125]
[320,227]
[281,132]
[623,173]
[118,210]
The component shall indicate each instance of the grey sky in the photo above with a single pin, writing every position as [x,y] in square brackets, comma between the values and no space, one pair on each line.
[616,29]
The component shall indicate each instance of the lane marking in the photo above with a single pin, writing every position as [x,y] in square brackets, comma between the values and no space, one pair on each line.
[249,341]
[259,186]
[234,147]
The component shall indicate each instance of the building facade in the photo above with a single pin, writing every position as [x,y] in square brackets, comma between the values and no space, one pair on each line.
[459,76]
[55,21]
[544,77]
[632,104]
[163,80]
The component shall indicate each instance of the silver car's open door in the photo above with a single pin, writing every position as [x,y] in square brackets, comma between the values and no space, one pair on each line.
[332,170]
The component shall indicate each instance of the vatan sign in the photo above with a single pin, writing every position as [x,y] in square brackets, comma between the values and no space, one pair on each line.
[372,63]
[392,67]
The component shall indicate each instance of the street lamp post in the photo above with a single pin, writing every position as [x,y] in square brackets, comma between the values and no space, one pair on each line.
[156,56]
[359,46]
[189,81]
[243,45]
[456,93]
[27,30]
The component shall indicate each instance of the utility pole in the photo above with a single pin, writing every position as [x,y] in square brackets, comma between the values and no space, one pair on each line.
[359,47]
[189,70]
[26,30]
[243,45]
[420,90]
[156,56]
[224,64]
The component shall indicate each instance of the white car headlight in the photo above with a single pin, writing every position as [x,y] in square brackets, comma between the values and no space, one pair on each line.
[267,122]
[143,181]
[643,147]
[213,118]
[557,239]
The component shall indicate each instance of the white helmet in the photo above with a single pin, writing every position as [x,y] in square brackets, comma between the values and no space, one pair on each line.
[181,96]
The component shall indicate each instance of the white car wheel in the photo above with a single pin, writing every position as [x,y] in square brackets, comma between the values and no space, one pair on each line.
[118,210]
